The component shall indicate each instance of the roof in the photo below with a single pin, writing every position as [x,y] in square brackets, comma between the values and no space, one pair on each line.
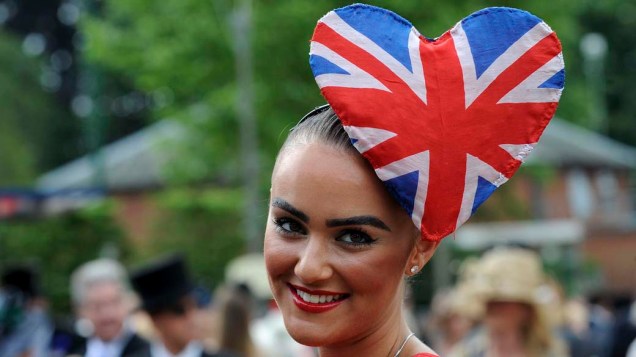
[133,162]
[567,144]
[137,161]
[477,236]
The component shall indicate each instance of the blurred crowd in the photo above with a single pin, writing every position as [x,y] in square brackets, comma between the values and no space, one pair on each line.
[155,311]
[503,304]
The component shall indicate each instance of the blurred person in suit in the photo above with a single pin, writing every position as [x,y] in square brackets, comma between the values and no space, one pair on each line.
[103,302]
[623,332]
[167,295]
[25,327]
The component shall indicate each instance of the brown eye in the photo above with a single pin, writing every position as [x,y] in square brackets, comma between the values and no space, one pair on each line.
[287,225]
[355,237]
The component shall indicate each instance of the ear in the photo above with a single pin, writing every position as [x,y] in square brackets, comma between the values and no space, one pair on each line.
[421,253]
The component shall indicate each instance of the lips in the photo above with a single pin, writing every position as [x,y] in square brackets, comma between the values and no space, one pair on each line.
[316,301]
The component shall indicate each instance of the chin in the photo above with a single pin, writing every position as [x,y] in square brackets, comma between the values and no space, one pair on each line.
[308,338]
[309,334]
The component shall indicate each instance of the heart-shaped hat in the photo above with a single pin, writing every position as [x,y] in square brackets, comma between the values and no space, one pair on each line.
[446,121]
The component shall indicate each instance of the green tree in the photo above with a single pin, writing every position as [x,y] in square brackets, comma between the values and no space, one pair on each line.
[616,21]
[181,51]
[203,224]
[58,245]
[29,115]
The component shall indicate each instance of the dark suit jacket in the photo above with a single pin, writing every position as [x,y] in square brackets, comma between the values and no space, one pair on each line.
[135,347]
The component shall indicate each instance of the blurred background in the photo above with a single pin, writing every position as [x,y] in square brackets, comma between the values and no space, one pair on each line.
[132,128]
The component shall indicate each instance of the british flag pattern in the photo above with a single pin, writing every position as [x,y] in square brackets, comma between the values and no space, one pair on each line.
[444,122]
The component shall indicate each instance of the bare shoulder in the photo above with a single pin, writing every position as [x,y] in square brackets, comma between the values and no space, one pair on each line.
[420,349]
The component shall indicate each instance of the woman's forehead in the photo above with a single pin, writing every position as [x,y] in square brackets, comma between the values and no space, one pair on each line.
[323,165]
[318,177]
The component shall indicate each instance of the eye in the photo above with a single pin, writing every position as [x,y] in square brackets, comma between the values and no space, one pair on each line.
[288,226]
[355,237]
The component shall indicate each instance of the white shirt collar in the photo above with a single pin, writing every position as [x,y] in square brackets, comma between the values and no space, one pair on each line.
[193,349]
[98,348]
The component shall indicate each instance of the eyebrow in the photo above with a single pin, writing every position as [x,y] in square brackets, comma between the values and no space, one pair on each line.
[286,206]
[358,220]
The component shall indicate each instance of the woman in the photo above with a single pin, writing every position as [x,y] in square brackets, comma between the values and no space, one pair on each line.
[337,247]
[518,303]
[346,225]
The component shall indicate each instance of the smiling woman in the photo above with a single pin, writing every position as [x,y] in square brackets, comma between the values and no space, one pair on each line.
[337,246]
[417,134]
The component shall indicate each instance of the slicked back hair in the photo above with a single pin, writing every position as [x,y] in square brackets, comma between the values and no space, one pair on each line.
[320,126]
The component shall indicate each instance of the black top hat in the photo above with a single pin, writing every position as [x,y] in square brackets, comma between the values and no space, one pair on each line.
[21,278]
[162,283]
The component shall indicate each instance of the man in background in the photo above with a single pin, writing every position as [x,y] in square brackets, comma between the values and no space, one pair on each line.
[103,302]
[167,296]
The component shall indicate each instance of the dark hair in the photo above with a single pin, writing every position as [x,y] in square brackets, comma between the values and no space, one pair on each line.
[322,125]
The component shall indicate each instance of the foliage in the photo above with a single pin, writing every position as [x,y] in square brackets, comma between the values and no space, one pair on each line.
[180,53]
[58,245]
[616,20]
[204,225]
[28,116]
[183,50]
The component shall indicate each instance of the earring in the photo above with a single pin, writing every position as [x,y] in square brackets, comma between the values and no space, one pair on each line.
[414,269]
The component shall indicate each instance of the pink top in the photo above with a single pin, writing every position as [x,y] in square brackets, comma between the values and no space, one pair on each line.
[425,355]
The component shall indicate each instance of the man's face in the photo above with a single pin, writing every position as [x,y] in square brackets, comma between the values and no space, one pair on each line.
[177,326]
[106,307]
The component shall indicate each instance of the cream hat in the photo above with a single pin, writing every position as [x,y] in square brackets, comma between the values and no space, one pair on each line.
[513,274]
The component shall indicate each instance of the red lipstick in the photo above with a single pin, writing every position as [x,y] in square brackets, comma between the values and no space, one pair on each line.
[315,307]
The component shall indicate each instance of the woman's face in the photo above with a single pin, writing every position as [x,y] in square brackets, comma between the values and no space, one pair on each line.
[506,316]
[336,246]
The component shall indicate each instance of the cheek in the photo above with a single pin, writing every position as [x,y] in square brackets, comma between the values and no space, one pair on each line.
[368,278]
[279,255]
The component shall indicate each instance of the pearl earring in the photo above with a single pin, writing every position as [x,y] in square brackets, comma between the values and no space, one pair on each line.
[414,269]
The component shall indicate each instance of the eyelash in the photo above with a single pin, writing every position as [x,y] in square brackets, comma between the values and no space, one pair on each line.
[365,236]
[280,222]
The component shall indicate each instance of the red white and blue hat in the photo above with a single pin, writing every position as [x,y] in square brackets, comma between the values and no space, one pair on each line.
[444,122]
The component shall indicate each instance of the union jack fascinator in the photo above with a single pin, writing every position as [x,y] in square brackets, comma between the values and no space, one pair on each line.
[446,121]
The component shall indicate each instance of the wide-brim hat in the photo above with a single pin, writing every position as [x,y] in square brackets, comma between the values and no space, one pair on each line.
[513,275]
[162,283]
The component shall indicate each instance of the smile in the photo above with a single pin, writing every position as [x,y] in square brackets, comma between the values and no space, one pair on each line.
[315,301]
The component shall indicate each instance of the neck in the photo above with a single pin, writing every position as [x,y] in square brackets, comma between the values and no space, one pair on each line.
[383,341]
[174,347]
[111,339]
[506,342]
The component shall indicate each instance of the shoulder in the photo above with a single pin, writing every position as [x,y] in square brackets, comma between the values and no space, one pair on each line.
[136,342]
[136,346]
[67,342]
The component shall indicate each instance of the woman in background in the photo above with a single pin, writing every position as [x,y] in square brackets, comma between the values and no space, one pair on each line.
[519,303]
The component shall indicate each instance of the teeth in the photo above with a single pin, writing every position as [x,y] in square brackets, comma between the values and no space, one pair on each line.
[315,299]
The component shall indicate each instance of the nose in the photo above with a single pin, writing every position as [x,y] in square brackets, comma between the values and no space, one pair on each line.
[313,264]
